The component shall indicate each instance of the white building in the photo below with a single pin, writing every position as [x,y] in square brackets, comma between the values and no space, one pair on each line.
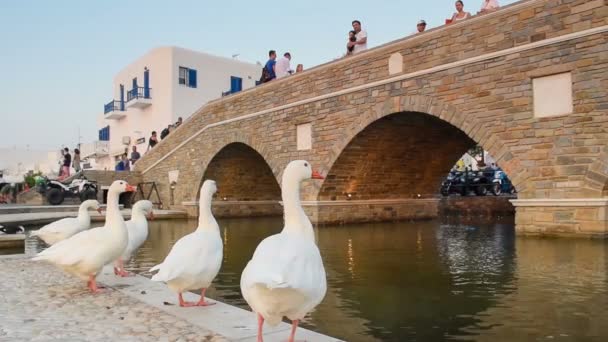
[157,89]
[18,161]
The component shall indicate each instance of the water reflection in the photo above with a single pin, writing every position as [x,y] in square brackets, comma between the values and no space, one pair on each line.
[427,281]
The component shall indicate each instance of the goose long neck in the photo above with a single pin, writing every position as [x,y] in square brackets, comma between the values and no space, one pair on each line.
[83,215]
[138,215]
[112,209]
[296,220]
[205,216]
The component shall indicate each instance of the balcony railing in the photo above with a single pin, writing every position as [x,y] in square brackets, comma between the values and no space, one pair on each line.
[112,106]
[138,93]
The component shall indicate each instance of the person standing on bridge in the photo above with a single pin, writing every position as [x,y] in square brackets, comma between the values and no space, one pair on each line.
[460,13]
[152,141]
[269,73]
[421,26]
[361,38]
[282,67]
[488,6]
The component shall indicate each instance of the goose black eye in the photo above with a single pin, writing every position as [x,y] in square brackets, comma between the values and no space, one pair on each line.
[305,164]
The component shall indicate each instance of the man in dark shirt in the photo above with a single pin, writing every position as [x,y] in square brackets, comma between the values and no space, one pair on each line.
[165,132]
[67,162]
[152,141]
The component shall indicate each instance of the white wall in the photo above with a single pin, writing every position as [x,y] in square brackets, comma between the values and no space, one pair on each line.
[213,78]
[17,161]
[170,100]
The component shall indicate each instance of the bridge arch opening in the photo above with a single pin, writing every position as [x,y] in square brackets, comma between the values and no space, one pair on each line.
[242,174]
[399,156]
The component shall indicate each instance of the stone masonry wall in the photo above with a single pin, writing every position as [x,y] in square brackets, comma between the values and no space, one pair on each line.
[590,220]
[487,206]
[371,211]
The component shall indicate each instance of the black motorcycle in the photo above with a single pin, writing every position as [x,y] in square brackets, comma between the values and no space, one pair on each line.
[463,183]
[455,183]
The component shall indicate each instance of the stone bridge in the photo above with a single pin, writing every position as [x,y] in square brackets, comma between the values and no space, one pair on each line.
[529,83]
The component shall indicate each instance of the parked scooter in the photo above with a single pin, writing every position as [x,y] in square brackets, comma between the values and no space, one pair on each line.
[501,184]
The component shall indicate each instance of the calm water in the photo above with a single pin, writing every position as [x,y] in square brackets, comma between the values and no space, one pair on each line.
[428,281]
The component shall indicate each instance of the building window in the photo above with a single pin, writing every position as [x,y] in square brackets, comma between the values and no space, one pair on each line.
[187,77]
[236,84]
[104,134]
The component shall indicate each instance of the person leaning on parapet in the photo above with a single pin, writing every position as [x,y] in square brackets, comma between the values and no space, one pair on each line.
[179,122]
[421,26]
[268,72]
[152,141]
[360,44]
[282,68]
[488,6]
[165,132]
[460,13]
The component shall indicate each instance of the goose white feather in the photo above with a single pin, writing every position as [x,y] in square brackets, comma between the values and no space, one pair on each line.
[285,277]
[195,259]
[62,229]
[137,227]
[85,253]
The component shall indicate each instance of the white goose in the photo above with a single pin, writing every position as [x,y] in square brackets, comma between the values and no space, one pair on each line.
[137,228]
[285,276]
[196,258]
[85,253]
[64,228]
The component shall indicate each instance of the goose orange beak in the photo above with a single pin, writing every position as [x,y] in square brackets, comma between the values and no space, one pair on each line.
[316,175]
[100,210]
[130,188]
[151,216]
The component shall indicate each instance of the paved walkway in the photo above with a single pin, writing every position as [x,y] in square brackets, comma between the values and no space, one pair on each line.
[38,302]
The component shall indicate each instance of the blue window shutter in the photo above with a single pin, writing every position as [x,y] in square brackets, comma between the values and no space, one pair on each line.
[192,78]
[236,84]
[100,134]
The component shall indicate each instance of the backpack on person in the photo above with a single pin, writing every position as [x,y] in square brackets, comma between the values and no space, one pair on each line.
[265,75]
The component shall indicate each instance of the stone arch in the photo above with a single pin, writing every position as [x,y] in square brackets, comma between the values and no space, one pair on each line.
[443,114]
[237,153]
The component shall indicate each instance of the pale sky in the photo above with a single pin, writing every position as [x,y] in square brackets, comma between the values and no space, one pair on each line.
[58,57]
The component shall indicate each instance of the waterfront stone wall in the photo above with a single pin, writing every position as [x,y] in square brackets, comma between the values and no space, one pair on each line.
[486,206]
[566,217]
[339,212]
[461,84]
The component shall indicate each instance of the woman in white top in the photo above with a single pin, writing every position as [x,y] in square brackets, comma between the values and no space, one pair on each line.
[460,13]
[488,6]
